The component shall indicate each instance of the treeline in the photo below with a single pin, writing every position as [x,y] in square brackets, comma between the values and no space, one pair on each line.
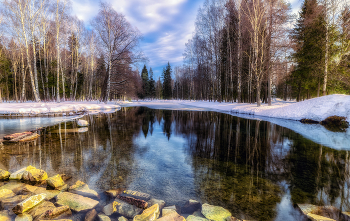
[48,54]
[251,50]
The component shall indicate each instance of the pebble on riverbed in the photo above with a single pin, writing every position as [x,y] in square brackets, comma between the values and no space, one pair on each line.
[36,202]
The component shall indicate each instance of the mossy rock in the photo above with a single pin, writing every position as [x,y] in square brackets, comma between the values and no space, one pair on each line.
[215,213]
[4,175]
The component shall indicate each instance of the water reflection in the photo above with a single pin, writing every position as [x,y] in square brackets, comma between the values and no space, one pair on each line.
[256,169]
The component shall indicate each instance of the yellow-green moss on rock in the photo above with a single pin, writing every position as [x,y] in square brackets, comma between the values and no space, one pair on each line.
[55,181]
[149,214]
[215,213]
[4,175]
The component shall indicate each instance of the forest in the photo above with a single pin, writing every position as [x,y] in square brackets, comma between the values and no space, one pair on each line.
[241,51]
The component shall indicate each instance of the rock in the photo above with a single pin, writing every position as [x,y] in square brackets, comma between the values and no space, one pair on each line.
[26,138]
[199,214]
[153,201]
[65,187]
[34,175]
[24,217]
[14,186]
[103,217]
[54,213]
[121,207]
[76,202]
[91,215]
[16,135]
[215,213]
[28,203]
[5,216]
[167,211]
[55,181]
[122,218]
[65,177]
[5,193]
[50,194]
[82,123]
[196,218]
[114,193]
[4,175]
[18,174]
[231,218]
[83,189]
[9,203]
[190,207]
[172,216]
[134,201]
[150,214]
[40,209]
[315,217]
[136,194]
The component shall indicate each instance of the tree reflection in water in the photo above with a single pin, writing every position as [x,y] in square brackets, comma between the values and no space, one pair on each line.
[234,162]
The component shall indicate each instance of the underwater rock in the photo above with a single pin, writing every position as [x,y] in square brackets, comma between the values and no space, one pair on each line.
[5,193]
[153,201]
[150,214]
[190,207]
[76,202]
[28,203]
[121,207]
[172,216]
[91,215]
[16,135]
[122,218]
[103,217]
[34,175]
[199,214]
[55,213]
[82,123]
[196,218]
[215,213]
[14,186]
[18,174]
[55,181]
[40,209]
[134,201]
[24,217]
[114,193]
[5,216]
[9,203]
[83,189]
[4,175]
[169,209]
[136,195]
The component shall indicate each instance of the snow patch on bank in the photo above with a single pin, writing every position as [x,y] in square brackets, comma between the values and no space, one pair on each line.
[52,107]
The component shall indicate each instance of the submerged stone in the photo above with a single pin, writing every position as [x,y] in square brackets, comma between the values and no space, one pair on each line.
[121,207]
[149,214]
[82,123]
[55,213]
[91,215]
[5,193]
[55,181]
[153,201]
[34,175]
[11,202]
[5,216]
[76,202]
[41,208]
[82,189]
[4,175]
[28,203]
[215,213]
[190,207]
[114,193]
[315,217]
[196,218]
[24,217]
[18,174]
[172,216]
[103,217]
[122,218]
[16,187]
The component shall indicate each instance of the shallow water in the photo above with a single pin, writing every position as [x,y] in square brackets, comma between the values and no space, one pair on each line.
[256,169]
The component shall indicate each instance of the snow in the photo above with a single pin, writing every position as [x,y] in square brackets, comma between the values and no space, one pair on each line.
[52,107]
[316,109]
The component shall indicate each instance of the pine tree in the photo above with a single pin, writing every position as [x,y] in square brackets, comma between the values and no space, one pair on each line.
[145,82]
[167,90]
[309,38]
[152,86]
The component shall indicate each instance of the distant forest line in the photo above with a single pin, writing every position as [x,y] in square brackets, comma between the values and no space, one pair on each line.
[241,51]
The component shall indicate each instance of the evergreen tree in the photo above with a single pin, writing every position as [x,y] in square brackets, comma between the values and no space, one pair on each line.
[167,90]
[309,38]
[159,89]
[152,85]
[145,82]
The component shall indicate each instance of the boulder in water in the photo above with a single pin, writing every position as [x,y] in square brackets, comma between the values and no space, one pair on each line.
[28,203]
[76,202]
[215,213]
[55,181]
[83,189]
[150,214]
[4,175]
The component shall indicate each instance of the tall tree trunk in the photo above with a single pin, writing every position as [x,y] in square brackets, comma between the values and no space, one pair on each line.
[58,55]
[326,53]
[239,56]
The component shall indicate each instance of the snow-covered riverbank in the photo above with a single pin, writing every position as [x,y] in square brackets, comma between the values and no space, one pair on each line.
[52,107]
[316,109]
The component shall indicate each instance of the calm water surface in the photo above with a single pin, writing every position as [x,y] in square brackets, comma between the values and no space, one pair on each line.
[256,169]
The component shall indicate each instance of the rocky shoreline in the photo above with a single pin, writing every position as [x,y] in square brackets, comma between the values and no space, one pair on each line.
[30,194]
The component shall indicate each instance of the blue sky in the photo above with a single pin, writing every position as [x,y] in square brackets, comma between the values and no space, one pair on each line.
[165,24]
